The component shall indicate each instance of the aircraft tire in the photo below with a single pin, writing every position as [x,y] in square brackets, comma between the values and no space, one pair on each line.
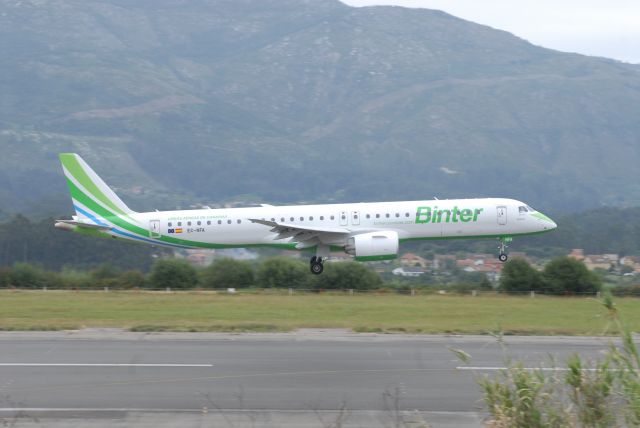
[503,257]
[316,268]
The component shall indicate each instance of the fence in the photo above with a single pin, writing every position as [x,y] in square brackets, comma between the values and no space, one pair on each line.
[422,291]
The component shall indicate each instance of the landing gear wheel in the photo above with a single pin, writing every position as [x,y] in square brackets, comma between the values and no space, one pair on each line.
[313,260]
[317,268]
[502,249]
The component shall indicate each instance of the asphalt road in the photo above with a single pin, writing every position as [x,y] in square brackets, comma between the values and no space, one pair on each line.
[307,379]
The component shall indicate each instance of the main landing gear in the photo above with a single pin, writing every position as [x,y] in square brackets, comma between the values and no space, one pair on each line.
[502,255]
[316,265]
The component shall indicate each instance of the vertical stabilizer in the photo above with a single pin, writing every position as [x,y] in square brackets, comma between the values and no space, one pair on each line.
[92,198]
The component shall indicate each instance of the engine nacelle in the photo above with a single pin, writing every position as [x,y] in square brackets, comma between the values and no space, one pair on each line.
[371,246]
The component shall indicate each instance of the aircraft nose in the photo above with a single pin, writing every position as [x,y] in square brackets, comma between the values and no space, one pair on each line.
[545,222]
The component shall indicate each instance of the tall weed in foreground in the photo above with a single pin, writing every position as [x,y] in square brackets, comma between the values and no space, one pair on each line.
[593,394]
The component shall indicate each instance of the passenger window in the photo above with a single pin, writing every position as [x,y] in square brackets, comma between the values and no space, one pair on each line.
[208,222]
[321,217]
[368,215]
[282,219]
[169,224]
[377,215]
[406,214]
[228,221]
[291,219]
[301,218]
[199,223]
[239,221]
[397,215]
[387,215]
[311,218]
[219,221]
[179,223]
[273,219]
[188,223]
[333,217]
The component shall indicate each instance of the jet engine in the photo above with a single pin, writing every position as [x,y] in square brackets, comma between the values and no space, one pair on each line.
[381,245]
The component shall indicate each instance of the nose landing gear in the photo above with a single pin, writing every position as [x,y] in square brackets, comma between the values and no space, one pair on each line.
[502,255]
[316,265]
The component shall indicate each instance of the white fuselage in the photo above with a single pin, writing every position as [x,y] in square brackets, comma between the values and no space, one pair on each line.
[432,219]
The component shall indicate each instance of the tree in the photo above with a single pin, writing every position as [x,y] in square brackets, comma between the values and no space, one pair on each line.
[283,272]
[519,275]
[174,274]
[228,273]
[348,275]
[568,275]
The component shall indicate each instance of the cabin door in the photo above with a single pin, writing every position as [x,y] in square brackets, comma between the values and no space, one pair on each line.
[502,215]
[154,228]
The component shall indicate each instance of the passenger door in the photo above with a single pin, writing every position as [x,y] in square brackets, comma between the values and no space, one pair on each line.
[502,215]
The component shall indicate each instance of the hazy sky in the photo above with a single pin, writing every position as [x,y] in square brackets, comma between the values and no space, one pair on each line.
[609,28]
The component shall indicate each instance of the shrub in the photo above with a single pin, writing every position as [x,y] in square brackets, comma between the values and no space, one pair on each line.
[74,279]
[228,273]
[131,279]
[5,276]
[567,275]
[347,275]
[174,274]
[24,275]
[519,275]
[283,272]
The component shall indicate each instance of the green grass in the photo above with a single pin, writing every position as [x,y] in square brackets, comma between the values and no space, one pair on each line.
[144,311]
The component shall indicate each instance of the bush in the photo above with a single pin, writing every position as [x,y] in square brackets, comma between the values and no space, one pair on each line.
[228,273]
[24,275]
[564,275]
[131,279]
[5,275]
[174,274]
[519,275]
[283,272]
[347,275]
[74,279]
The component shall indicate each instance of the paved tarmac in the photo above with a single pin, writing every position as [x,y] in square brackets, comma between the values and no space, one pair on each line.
[312,378]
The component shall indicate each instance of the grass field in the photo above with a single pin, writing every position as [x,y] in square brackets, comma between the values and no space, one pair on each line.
[144,311]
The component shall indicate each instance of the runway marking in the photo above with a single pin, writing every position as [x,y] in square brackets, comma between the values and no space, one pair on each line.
[544,369]
[99,365]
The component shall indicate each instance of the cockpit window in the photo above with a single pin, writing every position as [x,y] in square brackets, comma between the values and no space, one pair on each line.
[525,209]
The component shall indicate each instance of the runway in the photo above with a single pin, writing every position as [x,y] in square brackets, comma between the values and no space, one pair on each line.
[305,379]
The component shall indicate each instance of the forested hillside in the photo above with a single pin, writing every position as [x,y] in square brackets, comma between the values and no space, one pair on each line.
[179,103]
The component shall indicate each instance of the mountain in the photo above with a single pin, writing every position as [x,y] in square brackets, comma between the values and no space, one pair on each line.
[178,103]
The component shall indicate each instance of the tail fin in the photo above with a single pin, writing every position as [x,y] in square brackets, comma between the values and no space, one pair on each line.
[92,198]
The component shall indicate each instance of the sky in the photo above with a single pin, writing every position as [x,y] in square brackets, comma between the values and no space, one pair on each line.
[608,28]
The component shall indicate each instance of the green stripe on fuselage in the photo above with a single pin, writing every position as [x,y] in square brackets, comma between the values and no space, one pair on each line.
[81,197]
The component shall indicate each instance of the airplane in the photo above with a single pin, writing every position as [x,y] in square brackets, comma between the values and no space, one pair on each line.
[367,231]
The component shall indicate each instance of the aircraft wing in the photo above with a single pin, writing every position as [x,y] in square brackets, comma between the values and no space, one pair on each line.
[305,236]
